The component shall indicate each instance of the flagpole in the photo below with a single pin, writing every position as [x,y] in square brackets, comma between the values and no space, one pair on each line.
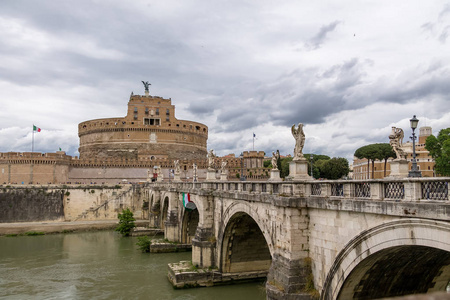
[253,141]
[32,140]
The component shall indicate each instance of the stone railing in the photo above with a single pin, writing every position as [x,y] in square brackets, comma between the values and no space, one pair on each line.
[406,189]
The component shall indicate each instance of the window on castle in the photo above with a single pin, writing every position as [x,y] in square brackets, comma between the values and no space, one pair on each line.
[167,112]
[157,111]
[167,118]
[151,121]
[146,110]
[135,110]
[135,117]
[197,127]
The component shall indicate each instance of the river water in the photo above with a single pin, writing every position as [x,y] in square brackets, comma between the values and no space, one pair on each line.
[97,265]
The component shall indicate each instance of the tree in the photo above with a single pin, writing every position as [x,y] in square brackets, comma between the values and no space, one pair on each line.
[373,152]
[334,168]
[318,159]
[126,222]
[284,166]
[386,152]
[439,149]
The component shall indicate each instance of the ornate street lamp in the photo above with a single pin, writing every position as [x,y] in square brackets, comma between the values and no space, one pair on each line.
[414,170]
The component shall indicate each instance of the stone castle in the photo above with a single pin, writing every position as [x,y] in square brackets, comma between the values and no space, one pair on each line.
[128,149]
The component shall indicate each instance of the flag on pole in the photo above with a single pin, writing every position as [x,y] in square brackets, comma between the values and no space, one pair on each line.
[35,128]
[187,203]
[254,135]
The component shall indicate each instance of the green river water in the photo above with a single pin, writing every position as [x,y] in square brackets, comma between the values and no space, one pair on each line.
[97,265]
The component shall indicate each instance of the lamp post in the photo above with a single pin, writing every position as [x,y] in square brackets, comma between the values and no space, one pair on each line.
[312,159]
[414,170]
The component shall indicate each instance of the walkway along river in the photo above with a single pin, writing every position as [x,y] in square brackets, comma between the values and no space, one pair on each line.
[96,265]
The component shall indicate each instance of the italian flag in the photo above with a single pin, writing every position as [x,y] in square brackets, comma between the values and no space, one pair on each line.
[187,203]
[35,128]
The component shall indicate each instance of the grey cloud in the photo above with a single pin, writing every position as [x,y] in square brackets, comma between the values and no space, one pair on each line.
[316,41]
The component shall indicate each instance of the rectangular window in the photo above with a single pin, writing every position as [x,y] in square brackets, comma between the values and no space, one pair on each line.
[151,121]
[167,112]
[157,111]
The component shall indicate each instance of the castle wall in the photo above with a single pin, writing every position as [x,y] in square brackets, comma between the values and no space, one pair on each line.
[149,129]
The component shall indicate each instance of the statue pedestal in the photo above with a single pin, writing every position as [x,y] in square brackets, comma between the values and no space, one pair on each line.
[176,178]
[275,175]
[210,175]
[399,168]
[223,177]
[298,170]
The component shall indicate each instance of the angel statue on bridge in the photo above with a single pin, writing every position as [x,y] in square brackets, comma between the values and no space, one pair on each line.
[211,159]
[275,157]
[396,142]
[299,136]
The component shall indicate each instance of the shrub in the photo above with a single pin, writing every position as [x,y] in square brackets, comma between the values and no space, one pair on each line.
[126,222]
[144,243]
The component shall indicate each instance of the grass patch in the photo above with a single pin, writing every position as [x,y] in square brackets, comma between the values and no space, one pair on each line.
[33,233]
[11,235]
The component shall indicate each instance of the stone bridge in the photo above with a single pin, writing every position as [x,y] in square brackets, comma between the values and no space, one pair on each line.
[328,239]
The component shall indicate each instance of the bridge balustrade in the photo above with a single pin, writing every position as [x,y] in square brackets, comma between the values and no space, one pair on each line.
[406,189]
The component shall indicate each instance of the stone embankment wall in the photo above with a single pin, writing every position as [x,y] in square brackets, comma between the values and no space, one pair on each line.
[31,204]
[70,203]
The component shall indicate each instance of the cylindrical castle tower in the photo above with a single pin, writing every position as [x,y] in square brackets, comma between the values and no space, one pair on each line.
[149,130]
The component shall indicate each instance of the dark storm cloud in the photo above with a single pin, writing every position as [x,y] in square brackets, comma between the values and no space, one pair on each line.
[316,41]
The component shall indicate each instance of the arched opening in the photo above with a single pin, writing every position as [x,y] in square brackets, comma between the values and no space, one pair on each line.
[165,211]
[244,248]
[398,271]
[190,222]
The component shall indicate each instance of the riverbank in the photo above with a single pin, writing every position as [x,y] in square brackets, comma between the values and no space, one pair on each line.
[58,227]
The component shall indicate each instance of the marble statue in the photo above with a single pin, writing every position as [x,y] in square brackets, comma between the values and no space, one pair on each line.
[223,167]
[299,136]
[275,157]
[177,166]
[211,159]
[396,142]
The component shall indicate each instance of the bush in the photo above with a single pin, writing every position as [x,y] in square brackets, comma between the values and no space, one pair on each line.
[126,222]
[144,243]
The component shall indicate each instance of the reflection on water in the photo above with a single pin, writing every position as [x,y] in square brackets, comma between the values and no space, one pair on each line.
[96,265]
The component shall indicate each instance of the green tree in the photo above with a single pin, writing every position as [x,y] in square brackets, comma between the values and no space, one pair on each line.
[334,168]
[386,152]
[439,149]
[284,166]
[318,159]
[126,222]
[372,152]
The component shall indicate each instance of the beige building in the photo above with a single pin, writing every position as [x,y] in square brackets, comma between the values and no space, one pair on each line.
[425,162]
[150,130]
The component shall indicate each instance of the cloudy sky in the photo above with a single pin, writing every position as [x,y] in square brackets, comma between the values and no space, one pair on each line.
[348,70]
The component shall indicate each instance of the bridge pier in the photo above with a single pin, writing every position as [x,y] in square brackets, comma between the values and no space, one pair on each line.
[204,242]
[288,278]
[203,248]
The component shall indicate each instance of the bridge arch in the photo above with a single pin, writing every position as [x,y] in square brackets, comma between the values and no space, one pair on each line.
[243,240]
[416,252]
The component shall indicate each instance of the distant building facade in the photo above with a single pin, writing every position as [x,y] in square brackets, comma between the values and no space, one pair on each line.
[130,149]
[425,163]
